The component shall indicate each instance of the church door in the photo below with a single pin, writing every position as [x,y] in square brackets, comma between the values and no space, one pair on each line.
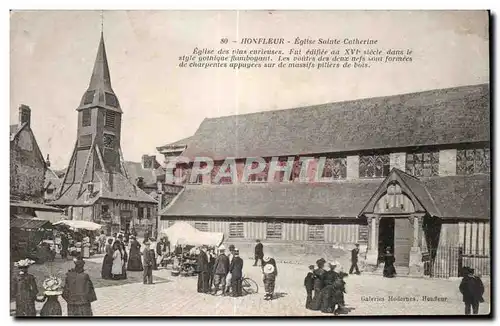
[403,232]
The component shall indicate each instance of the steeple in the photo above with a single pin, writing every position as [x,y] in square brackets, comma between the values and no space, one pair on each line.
[100,93]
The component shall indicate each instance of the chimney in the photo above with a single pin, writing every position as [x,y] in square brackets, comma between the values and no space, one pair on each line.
[147,161]
[24,114]
[90,188]
[47,161]
[140,182]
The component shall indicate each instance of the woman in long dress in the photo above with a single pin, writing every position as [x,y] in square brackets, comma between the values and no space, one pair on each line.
[389,270]
[107,261]
[135,259]
[25,290]
[123,250]
[326,294]
[117,267]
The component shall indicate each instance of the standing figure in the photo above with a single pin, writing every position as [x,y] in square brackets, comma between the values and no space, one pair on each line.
[389,270]
[259,253]
[203,277]
[107,261]
[229,275]
[354,260]
[160,250]
[221,268]
[326,294]
[102,242]
[64,245]
[152,247]
[148,263]
[211,263]
[135,261]
[236,269]
[338,293]
[472,290]
[25,290]
[309,285]
[318,284]
[116,268]
[123,250]
[270,272]
[79,291]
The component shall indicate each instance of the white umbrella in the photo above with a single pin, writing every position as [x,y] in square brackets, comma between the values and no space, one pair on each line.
[78,224]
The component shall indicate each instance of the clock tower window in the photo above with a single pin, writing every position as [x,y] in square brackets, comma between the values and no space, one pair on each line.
[110,119]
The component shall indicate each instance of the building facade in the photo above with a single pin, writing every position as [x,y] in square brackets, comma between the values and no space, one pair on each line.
[96,185]
[409,173]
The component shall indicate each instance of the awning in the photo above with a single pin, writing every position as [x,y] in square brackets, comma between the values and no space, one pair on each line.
[78,224]
[49,216]
[29,223]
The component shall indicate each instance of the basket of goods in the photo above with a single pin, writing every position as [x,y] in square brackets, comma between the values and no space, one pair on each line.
[175,272]
[24,263]
[52,286]
[268,269]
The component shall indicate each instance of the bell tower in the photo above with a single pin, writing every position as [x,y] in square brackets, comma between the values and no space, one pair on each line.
[97,145]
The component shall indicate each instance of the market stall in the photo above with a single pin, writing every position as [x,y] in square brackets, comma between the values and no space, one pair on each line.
[82,236]
[27,239]
[185,240]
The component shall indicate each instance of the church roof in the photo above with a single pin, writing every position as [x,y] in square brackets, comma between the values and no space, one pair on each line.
[442,116]
[113,186]
[15,129]
[100,93]
[51,178]
[180,143]
[453,197]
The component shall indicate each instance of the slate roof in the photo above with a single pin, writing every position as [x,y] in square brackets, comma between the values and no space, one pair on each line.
[15,129]
[51,178]
[28,204]
[454,197]
[109,185]
[135,170]
[443,116]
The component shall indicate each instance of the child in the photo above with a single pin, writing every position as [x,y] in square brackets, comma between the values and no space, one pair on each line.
[25,290]
[309,285]
[148,263]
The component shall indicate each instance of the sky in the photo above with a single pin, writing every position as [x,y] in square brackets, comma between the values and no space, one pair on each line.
[52,55]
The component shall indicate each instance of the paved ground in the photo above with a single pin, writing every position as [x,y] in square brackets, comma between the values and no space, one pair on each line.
[179,297]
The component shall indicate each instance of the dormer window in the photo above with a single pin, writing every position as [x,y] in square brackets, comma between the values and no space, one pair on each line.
[110,119]
[111,100]
[88,98]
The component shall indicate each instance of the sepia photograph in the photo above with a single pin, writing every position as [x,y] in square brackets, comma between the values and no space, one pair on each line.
[235,163]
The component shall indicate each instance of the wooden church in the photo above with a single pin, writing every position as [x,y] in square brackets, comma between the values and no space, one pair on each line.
[96,185]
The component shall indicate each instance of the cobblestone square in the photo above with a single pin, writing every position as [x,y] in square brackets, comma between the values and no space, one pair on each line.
[364,297]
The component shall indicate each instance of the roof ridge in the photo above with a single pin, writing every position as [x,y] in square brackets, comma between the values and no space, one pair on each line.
[313,106]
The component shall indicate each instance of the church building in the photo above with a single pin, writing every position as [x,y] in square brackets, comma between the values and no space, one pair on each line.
[96,185]
[408,174]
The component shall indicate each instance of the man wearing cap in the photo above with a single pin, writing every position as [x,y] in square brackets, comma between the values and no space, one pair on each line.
[148,263]
[354,260]
[25,290]
[78,291]
[203,276]
[236,269]
[472,290]
[221,268]
[270,272]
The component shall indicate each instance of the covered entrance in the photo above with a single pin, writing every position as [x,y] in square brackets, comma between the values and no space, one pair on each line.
[395,223]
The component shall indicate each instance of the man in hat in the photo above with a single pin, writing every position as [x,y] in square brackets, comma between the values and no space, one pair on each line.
[221,268]
[259,252]
[228,277]
[25,290]
[270,272]
[148,263]
[78,291]
[354,260]
[203,276]
[472,290]
[236,269]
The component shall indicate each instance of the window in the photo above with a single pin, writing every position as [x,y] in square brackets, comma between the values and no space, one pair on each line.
[423,164]
[363,233]
[335,167]
[109,140]
[111,100]
[110,119]
[140,213]
[149,212]
[201,226]
[316,232]
[86,121]
[85,141]
[471,161]
[261,176]
[374,166]
[88,98]
[105,211]
[50,191]
[273,230]
[236,230]
[223,180]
